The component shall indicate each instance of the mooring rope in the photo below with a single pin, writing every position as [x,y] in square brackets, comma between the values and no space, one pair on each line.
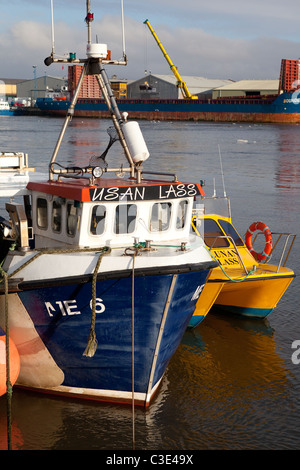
[132,345]
[92,340]
[132,252]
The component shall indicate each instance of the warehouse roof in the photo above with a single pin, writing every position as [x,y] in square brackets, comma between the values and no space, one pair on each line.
[194,84]
[251,85]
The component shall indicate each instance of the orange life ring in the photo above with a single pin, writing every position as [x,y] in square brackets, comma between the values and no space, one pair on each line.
[268,236]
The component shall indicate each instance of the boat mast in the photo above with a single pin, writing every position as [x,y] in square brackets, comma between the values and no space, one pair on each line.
[93,65]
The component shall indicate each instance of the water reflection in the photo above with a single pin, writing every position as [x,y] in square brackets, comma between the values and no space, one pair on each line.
[231,384]
[232,377]
[288,166]
[238,351]
[223,370]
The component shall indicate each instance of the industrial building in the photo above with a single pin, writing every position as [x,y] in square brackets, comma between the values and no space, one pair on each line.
[247,88]
[41,87]
[8,88]
[30,90]
[151,86]
[165,87]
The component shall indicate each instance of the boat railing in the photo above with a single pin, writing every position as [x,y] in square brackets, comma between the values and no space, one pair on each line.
[160,173]
[287,240]
[229,238]
[14,161]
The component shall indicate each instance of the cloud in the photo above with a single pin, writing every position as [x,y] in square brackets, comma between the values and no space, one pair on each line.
[194,50]
[28,36]
[197,52]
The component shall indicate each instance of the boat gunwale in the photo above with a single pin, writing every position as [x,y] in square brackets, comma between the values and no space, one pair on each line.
[15,285]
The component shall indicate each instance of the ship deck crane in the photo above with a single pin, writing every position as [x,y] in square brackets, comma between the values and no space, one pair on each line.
[180,83]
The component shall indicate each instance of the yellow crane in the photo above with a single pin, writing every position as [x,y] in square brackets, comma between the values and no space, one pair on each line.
[180,83]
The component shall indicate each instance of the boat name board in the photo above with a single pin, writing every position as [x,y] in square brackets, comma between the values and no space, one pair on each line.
[226,257]
[145,193]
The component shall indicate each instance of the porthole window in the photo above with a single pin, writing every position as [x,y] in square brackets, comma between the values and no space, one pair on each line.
[98,220]
[56,215]
[72,219]
[160,216]
[42,213]
[125,218]
[181,214]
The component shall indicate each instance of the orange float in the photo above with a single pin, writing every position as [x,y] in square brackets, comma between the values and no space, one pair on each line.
[268,236]
[14,362]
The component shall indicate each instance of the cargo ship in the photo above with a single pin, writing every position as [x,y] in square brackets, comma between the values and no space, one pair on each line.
[282,107]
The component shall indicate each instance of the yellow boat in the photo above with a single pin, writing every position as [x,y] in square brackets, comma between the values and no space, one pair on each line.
[245,282]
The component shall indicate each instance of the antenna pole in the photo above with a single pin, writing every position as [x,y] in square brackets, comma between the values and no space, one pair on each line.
[52,28]
[88,19]
[222,170]
[123,30]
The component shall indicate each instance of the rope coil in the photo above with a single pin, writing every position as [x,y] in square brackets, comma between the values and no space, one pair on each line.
[92,340]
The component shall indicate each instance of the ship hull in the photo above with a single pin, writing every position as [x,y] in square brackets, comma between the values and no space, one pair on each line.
[283,108]
[50,326]
[5,112]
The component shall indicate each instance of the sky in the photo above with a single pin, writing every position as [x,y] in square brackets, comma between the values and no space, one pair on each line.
[233,39]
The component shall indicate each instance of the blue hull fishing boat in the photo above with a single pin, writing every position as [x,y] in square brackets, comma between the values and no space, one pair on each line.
[100,273]
[5,109]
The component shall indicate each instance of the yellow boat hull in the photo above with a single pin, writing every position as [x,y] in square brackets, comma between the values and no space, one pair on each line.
[255,297]
[209,295]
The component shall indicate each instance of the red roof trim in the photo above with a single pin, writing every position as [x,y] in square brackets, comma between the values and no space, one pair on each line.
[80,190]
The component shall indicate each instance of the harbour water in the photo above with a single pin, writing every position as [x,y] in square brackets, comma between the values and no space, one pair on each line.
[233,383]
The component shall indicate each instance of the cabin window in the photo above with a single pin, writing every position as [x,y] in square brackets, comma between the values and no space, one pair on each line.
[56,215]
[181,214]
[42,213]
[72,219]
[125,218]
[230,230]
[98,220]
[213,234]
[160,216]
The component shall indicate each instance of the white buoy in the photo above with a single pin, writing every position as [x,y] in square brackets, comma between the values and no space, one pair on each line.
[135,141]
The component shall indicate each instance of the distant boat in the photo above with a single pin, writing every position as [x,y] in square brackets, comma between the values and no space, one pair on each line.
[5,109]
[14,173]
[245,283]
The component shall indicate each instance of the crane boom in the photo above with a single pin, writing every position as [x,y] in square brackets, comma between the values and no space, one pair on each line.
[180,83]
